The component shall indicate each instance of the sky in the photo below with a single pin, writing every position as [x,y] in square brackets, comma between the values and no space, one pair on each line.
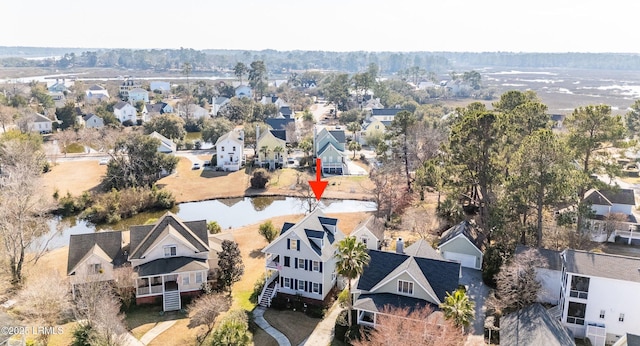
[329,25]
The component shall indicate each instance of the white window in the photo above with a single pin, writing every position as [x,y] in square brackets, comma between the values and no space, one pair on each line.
[602,313]
[287,282]
[222,148]
[234,149]
[316,287]
[199,277]
[364,240]
[293,244]
[316,266]
[301,263]
[170,251]
[621,318]
[185,279]
[333,276]
[405,287]
[301,285]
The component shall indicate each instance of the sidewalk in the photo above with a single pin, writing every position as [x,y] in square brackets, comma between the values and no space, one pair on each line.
[324,332]
[258,314]
[155,331]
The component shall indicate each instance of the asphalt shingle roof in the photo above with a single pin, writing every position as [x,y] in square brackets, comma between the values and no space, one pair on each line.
[552,257]
[609,197]
[376,302]
[195,232]
[533,326]
[81,244]
[469,230]
[602,265]
[386,111]
[279,123]
[172,265]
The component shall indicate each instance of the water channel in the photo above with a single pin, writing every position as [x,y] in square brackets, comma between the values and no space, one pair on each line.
[229,213]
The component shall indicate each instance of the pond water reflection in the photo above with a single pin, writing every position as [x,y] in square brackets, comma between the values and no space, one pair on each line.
[228,212]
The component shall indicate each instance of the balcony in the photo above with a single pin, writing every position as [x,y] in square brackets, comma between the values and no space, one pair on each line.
[274,263]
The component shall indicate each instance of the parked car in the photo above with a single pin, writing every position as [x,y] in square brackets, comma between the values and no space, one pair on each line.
[104,161]
[195,166]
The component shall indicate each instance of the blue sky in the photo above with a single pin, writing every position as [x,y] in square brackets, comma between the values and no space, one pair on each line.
[331,25]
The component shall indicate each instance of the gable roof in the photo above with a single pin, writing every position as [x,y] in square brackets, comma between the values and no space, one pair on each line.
[143,236]
[286,111]
[386,111]
[469,230]
[552,257]
[372,225]
[89,116]
[329,146]
[231,135]
[422,248]
[96,87]
[533,325]
[339,136]
[602,265]
[437,276]
[278,123]
[633,340]
[156,107]
[172,265]
[378,301]
[121,104]
[109,243]
[270,133]
[280,134]
[39,118]
[610,197]
[220,100]
[313,226]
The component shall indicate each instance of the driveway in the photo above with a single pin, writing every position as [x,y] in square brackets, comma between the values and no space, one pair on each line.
[477,292]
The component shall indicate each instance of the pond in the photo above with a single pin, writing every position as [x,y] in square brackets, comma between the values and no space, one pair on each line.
[228,213]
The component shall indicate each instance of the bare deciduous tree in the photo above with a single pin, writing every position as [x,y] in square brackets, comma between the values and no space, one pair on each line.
[65,138]
[516,282]
[204,311]
[419,326]
[389,192]
[44,300]
[23,216]
[615,221]
[96,305]
[124,285]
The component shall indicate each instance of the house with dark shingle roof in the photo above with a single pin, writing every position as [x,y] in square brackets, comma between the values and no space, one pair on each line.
[599,295]
[330,148]
[171,258]
[533,325]
[93,257]
[301,260]
[464,243]
[403,279]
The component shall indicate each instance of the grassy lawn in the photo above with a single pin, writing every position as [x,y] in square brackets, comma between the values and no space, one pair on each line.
[261,338]
[140,319]
[296,325]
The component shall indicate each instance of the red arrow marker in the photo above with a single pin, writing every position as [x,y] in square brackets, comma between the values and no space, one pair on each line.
[318,185]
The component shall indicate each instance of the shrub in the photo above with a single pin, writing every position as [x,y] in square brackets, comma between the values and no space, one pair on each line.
[260,179]
[82,335]
[257,289]
[213,227]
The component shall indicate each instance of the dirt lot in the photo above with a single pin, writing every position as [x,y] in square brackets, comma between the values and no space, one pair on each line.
[74,177]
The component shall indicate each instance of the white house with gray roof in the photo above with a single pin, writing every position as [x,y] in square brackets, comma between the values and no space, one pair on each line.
[464,243]
[370,232]
[605,203]
[171,258]
[230,150]
[330,148]
[408,278]
[599,296]
[301,260]
[125,112]
[549,275]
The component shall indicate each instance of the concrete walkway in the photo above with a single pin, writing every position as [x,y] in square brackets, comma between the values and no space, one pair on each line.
[258,316]
[323,334]
[155,331]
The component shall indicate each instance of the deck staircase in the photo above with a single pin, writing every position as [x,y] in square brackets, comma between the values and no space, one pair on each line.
[265,299]
[171,301]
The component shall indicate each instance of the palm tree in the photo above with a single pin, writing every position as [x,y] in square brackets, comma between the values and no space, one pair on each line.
[277,150]
[458,308]
[352,257]
[265,151]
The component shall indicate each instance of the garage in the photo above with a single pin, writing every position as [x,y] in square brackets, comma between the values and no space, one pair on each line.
[467,261]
